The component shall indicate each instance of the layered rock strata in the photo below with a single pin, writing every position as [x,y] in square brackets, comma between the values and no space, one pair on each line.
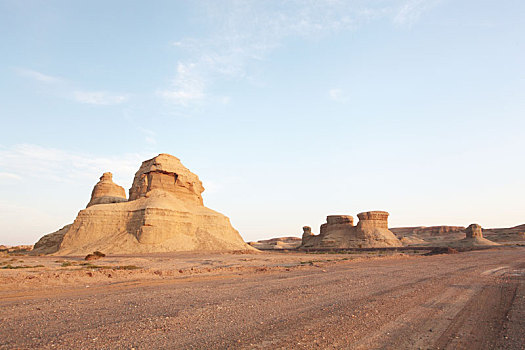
[106,191]
[339,232]
[165,212]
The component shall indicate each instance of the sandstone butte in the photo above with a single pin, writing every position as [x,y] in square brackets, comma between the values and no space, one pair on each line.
[474,238]
[165,212]
[339,232]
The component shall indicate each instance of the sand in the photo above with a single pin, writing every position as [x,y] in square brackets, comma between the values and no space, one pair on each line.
[473,300]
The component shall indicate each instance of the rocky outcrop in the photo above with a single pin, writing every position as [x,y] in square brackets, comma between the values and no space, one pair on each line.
[474,238]
[307,232]
[165,212]
[50,243]
[339,232]
[427,231]
[473,231]
[106,191]
[167,174]
[281,243]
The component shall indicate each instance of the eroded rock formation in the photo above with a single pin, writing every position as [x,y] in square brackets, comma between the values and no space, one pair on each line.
[339,232]
[106,191]
[474,230]
[50,243]
[165,212]
[474,238]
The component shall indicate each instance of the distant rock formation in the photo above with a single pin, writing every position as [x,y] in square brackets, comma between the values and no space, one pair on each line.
[474,238]
[307,232]
[473,231]
[106,191]
[442,235]
[165,212]
[280,243]
[426,231]
[339,232]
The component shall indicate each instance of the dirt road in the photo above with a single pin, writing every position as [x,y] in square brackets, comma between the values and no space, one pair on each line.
[472,300]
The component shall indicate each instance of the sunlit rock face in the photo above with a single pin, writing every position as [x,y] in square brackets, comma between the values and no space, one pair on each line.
[474,230]
[339,232]
[165,212]
[106,191]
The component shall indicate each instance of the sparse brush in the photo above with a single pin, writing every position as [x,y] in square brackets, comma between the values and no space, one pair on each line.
[106,267]
[9,266]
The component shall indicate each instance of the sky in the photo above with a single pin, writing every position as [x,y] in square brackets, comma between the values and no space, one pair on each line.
[288,110]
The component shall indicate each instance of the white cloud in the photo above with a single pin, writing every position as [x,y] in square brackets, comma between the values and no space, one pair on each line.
[101,98]
[188,85]
[245,32]
[411,11]
[65,89]
[337,95]
[34,161]
[32,74]
[150,136]
[9,176]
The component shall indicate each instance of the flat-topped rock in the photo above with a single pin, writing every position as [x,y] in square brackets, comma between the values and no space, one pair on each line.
[340,219]
[339,232]
[166,173]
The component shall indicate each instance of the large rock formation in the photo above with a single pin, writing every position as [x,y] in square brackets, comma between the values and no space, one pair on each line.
[165,212]
[339,232]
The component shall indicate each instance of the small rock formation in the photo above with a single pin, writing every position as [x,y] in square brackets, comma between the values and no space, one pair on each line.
[165,212]
[280,243]
[339,232]
[307,232]
[473,231]
[106,191]
[474,238]
[95,256]
[50,243]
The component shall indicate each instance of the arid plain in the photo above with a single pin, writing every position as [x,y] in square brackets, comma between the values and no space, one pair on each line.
[364,300]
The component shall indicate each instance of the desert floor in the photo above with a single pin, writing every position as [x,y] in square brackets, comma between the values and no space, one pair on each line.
[471,300]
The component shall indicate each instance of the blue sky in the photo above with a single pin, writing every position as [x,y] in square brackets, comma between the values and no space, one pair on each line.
[287,110]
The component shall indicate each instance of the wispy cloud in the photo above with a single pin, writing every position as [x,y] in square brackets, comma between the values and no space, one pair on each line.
[38,76]
[411,11]
[9,176]
[188,85]
[245,32]
[150,136]
[25,161]
[63,88]
[101,98]
[337,95]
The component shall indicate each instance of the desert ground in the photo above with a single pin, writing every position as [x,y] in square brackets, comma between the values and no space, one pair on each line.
[276,300]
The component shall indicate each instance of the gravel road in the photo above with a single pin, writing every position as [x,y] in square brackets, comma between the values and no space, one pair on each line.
[472,300]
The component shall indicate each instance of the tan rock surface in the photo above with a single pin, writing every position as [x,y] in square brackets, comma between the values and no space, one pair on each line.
[279,243]
[50,243]
[106,191]
[474,238]
[339,232]
[165,213]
